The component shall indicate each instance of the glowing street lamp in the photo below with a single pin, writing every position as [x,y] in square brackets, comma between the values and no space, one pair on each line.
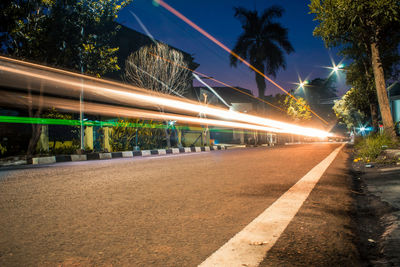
[302,84]
[336,68]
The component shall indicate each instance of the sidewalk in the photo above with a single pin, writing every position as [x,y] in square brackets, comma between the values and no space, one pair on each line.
[378,212]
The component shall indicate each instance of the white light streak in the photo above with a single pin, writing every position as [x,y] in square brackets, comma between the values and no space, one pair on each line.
[103,90]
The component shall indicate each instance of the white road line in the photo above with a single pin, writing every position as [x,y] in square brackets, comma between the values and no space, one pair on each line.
[249,246]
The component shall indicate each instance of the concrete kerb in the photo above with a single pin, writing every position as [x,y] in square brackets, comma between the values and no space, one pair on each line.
[44,160]
[127,154]
[124,154]
[146,153]
[162,152]
[105,155]
[78,157]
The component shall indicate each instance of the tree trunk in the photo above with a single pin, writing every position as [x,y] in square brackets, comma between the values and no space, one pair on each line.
[36,131]
[260,80]
[179,138]
[381,90]
[374,115]
[36,128]
[168,137]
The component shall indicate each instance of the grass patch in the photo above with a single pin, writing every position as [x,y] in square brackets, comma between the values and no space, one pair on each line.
[370,147]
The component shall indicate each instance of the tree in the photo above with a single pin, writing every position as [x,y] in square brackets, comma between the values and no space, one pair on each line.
[319,89]
[72,34]
[366,24]
[359,75]
[298,109]
[159,68]
[362,96]
[263,42]
[347,113]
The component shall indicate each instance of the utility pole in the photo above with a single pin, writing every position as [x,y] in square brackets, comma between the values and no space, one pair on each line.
[81,98]
[205,131]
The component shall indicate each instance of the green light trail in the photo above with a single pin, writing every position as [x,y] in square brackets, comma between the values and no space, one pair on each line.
[51,121]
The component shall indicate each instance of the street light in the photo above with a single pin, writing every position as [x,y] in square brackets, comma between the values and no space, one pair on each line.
[336,68]
[302,84]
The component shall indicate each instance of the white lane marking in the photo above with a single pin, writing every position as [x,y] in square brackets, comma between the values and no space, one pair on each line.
[249,246]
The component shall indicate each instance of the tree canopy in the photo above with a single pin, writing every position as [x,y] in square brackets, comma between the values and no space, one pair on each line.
[263,42]
[298,109]
[347,113]
[369,26]
[73,34]
[70,34]
[319,89]
[159,68]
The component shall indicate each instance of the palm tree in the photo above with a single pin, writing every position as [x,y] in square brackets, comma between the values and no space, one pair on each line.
[262,43]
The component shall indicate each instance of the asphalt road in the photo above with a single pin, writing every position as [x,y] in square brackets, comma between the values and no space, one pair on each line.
[171,210]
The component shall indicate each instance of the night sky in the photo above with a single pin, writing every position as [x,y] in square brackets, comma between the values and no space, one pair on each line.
[216,17]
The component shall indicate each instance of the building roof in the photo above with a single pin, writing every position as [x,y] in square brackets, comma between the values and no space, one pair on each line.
[231,95]
[394,89]
[129,40]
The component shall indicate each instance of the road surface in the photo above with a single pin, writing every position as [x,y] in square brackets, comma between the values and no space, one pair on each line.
[173,210]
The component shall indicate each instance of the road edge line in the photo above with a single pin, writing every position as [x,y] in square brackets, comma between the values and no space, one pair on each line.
[249,246]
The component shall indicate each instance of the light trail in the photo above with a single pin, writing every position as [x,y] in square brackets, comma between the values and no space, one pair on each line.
[210,37]
[108,110]
[51,121]
[103,91]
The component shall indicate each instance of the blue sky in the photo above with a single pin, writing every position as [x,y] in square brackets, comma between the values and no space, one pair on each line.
[216,17]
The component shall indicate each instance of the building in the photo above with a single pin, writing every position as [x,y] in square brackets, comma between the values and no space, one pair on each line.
[394,101]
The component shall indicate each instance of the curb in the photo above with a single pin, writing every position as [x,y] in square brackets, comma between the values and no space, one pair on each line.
[124,154]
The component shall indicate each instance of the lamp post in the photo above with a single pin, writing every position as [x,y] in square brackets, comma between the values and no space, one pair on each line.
[81,98]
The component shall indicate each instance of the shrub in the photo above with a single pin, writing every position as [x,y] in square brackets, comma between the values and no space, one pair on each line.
[65,149]
[370,147]
[150,135]
[3,149]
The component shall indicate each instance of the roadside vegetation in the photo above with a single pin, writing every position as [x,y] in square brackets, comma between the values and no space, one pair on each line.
[370,148]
